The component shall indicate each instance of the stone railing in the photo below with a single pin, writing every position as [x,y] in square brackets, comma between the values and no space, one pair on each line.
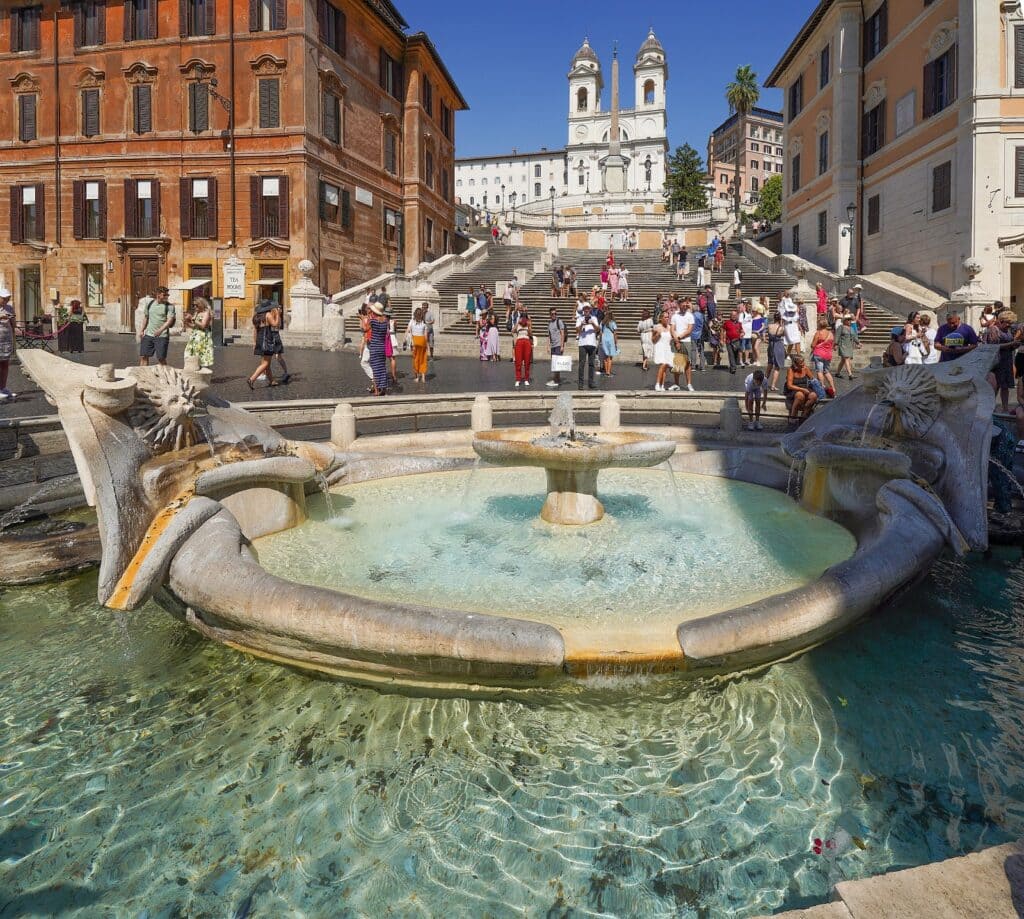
[616,220]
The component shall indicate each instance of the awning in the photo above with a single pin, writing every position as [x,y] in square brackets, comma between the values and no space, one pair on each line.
[268,282]
[194,284]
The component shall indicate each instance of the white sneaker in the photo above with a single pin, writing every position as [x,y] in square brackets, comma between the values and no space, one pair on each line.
[516,384]
[551,383]
[673,388]
[526,383]
[689,386]
[750,427]
[597,373]
[759,426]
[662,389]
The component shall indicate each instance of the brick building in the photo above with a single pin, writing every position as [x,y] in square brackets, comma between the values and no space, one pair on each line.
[125,169]
[756,140]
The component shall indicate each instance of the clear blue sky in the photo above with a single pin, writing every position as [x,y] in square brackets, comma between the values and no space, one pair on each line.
[510,59]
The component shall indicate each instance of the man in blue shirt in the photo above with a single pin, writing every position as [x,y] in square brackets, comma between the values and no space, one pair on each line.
[954,339]
[697,340]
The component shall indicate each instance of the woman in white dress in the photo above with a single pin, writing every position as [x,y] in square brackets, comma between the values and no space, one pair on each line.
[624,283]
[663,356]
[645,328]
[791,324]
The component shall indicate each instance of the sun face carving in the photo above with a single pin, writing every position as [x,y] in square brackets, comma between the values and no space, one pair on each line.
[165,406]
[912,396]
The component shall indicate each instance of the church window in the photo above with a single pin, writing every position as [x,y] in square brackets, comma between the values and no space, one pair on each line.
[536,188]
[649,92]
[536,171]
[581,99]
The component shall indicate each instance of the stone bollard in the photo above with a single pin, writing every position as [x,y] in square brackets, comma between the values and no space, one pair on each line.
[343,426]
[482,417]
[611,415]
[730,420]
[105,372]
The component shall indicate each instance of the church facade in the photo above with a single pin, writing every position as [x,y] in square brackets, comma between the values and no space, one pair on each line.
[490,182]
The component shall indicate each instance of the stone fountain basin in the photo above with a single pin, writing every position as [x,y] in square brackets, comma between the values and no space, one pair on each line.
[516,447]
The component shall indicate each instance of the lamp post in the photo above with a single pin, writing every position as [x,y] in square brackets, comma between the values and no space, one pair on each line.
[400,234]
[851,215]
[552,193]
[514,196]
[647,169]
[502,202]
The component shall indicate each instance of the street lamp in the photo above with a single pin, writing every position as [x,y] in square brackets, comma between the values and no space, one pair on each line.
[400,234]
[552,193]
[514,196]
[647,168]
[502,201]
[851,216]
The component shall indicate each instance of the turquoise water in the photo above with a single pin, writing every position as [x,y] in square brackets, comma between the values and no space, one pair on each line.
[664,551]
[146,772]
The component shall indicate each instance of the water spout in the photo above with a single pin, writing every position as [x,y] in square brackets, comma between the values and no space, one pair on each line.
[562,418]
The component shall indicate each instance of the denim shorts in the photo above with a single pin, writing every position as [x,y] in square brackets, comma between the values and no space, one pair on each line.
[746,344]
[820,365]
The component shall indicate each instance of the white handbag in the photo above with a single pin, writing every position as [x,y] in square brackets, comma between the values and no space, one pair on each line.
[561,363]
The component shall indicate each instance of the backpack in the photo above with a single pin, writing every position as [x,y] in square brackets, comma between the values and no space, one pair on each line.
[174,314]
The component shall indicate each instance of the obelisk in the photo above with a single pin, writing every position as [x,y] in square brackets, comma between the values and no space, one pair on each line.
[614,165]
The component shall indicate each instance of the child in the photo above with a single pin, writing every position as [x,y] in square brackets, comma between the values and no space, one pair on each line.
[756,396]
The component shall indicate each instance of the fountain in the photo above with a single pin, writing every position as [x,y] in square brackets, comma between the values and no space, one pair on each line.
[192,492]
[571,460]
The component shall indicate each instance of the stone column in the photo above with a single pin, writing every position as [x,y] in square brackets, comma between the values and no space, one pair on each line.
[306,301]
[969,299]
[343,426]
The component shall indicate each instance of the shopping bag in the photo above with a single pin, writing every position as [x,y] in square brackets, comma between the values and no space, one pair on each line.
[561,363]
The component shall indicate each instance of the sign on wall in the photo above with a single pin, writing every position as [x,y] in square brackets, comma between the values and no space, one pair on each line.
[363,196]
[234,279]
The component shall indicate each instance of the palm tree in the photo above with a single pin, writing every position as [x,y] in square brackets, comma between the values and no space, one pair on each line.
[742,95]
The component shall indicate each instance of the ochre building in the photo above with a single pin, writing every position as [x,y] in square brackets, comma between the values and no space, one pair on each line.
[147,142]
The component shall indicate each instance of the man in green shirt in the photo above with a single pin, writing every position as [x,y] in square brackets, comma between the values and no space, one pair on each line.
[155,327]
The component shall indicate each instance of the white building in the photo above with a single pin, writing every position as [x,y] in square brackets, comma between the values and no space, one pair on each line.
[489,181]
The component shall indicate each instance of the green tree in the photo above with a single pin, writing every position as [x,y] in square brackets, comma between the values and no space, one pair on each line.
[769,205]
[684,180]
[742,94]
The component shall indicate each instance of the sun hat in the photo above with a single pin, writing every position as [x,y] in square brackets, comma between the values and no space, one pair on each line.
[376,308]
[858,286]
[5,294]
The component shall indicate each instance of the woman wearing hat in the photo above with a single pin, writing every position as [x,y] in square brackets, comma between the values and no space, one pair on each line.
[380,333]
[8,343]
[757,330]
[1002,333]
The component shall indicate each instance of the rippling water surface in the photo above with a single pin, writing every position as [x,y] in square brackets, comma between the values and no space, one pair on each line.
[145,772]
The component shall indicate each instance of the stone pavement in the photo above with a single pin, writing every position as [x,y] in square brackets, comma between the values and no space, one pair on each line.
[327,375]
[982,885]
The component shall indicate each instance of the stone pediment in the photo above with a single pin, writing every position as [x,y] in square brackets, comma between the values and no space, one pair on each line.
[197,69]
[269,248]
[25,83]
[90,78]
[267,65]
[139,72]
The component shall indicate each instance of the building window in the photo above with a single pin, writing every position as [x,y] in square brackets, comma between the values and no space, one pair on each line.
[754,184]
[141,208]
[90,112]
[873,127]
[25,28]
[795,166]
[536,189]
[822,228]
[796,239]
[390,226]
[649,92]
[753,164]
[428,168]
[391,152]
[536,171]
[942,187]
[92,278]
[198,208]
[445,183]
[31,291]
[447,244]
[876,32]
[1018,57]
[27,117]
[1018,172]
[940,83]
[823,153]
[90,23]
[198,107]
[428,234]
[427,96]
[825,67]
[200,18]
[140,20]
[267,15]
[874,214]
[724,178]
[332,117]
[28,213]
[755,148]
[335,205]
[390,75]
[796,97]
[142,105]
[270,103]
[269,204]
[446,121]
[89,209]
[331,21]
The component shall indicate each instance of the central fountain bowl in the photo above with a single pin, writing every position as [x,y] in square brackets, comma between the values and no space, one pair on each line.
[572,463]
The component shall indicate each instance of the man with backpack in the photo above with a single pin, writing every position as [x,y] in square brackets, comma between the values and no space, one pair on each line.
[156,319]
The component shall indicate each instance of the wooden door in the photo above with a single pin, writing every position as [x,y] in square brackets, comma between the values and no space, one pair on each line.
[145,276]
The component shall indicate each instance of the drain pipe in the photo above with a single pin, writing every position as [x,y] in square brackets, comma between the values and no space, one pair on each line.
[861,216]
[56,123]
[231,125]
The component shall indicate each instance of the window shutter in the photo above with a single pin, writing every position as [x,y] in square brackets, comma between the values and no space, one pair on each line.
[129,18]
[185,211]
[928,108]
[155,231]
[27,107]
[78,16]
[211,209]
[254,15]
[330,117]
[323,200]
[282,209]
[34,27]
[1018,172]
[211,17]
[103,210]
[346,208]
[881,124]
[78,209]
[143,108]
[382,69]
[954,68]
[182,17]
[883,25]
[342,41]
[131,208]
[280,14]
[40,233]
[256,209]
[199,107]
[101,22]
[91,112]
[17,232]
[1018,57]
[270,103]
[153,20]
[321,18]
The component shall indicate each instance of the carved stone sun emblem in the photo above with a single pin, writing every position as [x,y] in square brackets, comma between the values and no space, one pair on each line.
[165,405]
[912,396]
